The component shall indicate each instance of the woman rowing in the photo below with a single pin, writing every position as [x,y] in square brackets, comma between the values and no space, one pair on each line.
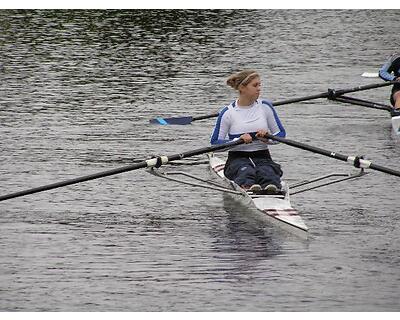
[390,71]
[250,119]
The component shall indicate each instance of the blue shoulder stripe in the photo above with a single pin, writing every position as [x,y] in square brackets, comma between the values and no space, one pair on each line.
[215,134]
[267,102]
[282,131]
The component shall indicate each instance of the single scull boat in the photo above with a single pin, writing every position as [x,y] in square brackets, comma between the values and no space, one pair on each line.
[270,208]
[275,208]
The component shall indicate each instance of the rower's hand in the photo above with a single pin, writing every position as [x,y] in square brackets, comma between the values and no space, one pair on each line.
[246,138]
[261,133]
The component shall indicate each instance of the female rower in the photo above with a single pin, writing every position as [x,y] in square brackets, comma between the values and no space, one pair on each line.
[391,71]
[250,119]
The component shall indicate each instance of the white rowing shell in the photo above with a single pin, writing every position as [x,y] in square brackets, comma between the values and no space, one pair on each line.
[396,124]
[276,208]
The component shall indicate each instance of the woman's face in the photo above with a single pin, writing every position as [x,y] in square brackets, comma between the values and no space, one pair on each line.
[252,89]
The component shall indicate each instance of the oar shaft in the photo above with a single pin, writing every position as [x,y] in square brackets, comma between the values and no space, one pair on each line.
[363,103]
[197,152]
[307,147]
[356,161]
[377,167]
[213,115]
[365,87]
[294,100]
[331,93]
[143,164]
[64,183]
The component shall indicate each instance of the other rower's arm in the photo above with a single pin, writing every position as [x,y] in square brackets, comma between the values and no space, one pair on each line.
[386,71]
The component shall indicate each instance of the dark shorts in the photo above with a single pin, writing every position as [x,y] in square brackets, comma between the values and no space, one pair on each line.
[395,89]
[248,168]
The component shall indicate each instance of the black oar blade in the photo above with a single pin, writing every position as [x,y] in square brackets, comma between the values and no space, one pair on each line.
[173,121]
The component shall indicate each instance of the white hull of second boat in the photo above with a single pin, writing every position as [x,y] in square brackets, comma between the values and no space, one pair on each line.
[272,208]
[396,124]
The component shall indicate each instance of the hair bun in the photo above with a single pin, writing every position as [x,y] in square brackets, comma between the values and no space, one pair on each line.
[241,77]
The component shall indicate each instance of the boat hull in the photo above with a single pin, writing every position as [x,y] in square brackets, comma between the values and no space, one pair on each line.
[396,124]
[274,209]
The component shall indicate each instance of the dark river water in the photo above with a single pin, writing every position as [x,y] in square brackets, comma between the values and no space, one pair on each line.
[77,90]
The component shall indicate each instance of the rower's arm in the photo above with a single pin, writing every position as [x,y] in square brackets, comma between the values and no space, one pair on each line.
[387,70]
[221,129]
[274,123]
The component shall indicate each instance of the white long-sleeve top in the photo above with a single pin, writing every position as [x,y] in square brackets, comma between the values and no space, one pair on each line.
[233,121]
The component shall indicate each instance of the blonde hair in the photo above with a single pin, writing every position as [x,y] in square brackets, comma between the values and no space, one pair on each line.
[241,78]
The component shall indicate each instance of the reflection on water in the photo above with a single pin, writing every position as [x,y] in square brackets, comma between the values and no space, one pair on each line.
[248,236]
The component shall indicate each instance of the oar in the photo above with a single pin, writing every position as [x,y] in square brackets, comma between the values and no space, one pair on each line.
[153,162]
[181,120]
[356,161]
[330,93]
[363,103]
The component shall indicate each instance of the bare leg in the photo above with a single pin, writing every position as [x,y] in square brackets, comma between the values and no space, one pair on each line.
[396,98]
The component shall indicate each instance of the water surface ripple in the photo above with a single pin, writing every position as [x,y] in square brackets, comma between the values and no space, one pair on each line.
[77,89]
